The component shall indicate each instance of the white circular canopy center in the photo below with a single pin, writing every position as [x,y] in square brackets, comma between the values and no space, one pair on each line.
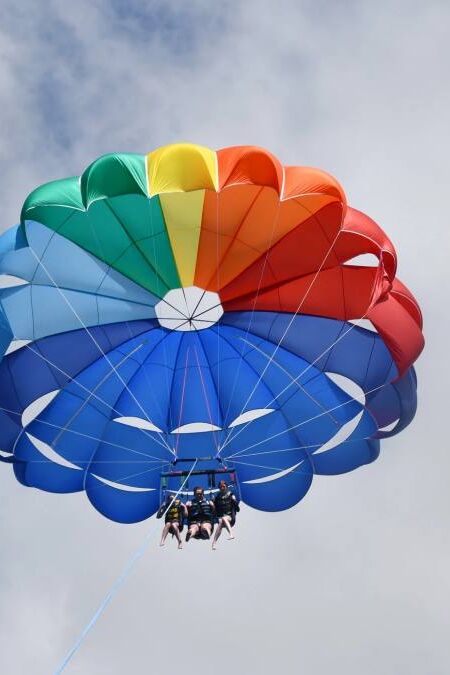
[189,308]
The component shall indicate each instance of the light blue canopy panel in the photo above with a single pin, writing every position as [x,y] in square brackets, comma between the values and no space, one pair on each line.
[58,298]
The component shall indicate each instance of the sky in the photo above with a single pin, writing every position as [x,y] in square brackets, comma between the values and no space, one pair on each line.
[355,578]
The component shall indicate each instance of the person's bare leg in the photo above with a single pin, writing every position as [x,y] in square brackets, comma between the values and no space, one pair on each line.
[165,532]
[217,535]
[227,524]
[192,531]
[176,531]
[206,527]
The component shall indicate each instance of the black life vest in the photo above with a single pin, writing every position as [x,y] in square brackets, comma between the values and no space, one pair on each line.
[200,510]
[174,513]
[224,504]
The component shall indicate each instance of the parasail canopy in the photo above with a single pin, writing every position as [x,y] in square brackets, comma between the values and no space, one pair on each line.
[199,304]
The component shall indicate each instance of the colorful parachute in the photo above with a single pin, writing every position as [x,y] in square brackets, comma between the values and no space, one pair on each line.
[199,307]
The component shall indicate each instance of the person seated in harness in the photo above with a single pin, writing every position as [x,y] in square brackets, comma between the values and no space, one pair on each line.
[175,511]
[226,506]
[200,516]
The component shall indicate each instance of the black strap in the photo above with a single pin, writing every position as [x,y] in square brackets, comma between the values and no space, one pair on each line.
[8,460]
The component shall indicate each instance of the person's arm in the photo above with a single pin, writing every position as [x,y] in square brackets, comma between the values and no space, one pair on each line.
[213,506]
[162,509]
[184,509]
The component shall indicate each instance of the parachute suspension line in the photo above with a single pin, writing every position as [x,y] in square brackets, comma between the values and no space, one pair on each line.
[277,468]
[87,468]
[155,267]
[102,381]
[325,351]
[122,479]
[106,357]
[310,419]
[69,304]
[218,289]
[144,369]
[311,446]
[119,582]
[219,260]
[295,381]
[91,393]
[325,410]
[277,346]
[151,458]
[283,370]
[205,394]
[275,222]
[155,255]
[183,391]
[159,462]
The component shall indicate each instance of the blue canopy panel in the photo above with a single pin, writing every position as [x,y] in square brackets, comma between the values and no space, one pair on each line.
[8,241]
[7,424]
[6,334]
[313,410]
[192,385]
[396,402]
[331,345]
[279,449]
[267,410]
[129,455]
[151,391]
[56,298]
[235,380]
[122,505]
[78,428]
[308,409]
[279,493]
[308,399]
[55,360]
[346,349]
[10,428]
[267,454]
[357,449]
[12,240]
[34,469]
[194,395]
[74,423]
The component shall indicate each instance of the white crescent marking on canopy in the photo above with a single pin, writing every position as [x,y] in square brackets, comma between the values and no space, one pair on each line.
[340,436]
[250,415]
[349,386]
[49,453]
[195,427]
[274,476]
[138,423]
[121,486]
[36,407]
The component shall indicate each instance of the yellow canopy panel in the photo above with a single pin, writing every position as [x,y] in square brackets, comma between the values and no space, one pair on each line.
[182,167]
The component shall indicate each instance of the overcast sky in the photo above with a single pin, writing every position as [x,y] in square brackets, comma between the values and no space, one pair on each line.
[355,579]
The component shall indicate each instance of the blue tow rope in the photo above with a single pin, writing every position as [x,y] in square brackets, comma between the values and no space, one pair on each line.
[114,589]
